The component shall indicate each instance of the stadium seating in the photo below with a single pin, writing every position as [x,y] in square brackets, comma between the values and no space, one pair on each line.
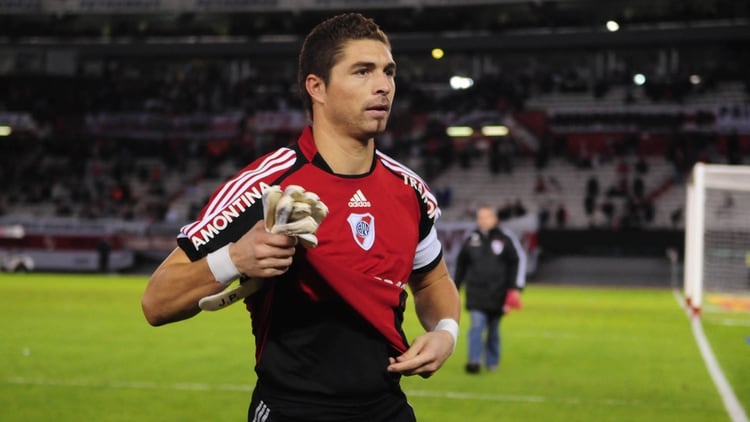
[59,168]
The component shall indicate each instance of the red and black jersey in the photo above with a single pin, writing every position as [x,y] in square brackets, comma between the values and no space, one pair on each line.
[325,329]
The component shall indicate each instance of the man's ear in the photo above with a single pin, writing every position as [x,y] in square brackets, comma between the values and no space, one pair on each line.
[316,88]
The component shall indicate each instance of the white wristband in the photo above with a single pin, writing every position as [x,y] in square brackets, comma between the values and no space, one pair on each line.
[451,326]
[221,265]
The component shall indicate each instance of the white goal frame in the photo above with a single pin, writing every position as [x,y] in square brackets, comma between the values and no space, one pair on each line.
[703,176]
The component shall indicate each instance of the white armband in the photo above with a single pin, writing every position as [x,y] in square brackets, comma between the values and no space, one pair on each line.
[221,265]
[451,326]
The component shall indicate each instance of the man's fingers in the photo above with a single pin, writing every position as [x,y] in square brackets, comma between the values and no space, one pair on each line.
[281,240]
[425,356]
[411,366]
[273,266]
[411,360]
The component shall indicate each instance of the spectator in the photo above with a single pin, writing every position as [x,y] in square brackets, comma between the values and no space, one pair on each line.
[518,208]
[608,209]
[734,155]
[506,211]
[641,165]
[592,186]
[675,217]
[544,216]
[561,215]
[554,184]
[639,189]
[589,204]
[540,186]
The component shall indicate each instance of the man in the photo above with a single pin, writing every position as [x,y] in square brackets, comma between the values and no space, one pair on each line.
[327,323]
[492,265]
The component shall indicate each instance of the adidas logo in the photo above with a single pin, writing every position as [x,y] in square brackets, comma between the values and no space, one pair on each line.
[358,200]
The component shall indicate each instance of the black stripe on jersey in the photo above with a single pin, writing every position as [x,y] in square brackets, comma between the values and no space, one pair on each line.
[431,265]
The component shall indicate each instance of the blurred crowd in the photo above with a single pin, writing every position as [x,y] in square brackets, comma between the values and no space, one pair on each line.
[131,176]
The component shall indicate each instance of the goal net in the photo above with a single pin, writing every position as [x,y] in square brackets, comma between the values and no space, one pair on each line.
[717,233]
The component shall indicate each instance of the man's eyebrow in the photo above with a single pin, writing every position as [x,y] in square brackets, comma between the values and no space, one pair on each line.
[372,65]
[368,65]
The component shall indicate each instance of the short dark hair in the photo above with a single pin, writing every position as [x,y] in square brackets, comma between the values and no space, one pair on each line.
[323,45]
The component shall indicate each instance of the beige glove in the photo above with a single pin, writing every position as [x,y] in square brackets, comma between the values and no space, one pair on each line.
[294,212]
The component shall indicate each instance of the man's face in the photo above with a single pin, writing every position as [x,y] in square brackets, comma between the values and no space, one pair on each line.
[486,219]
[360,89]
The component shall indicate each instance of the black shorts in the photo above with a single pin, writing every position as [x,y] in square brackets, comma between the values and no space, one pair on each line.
[396,409]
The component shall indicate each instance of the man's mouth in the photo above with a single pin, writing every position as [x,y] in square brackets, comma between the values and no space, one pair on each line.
[378,109]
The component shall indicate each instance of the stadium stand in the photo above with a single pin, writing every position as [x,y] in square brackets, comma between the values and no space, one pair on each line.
[136,115]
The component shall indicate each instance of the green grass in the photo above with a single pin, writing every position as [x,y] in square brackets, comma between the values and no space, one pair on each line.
[77,348]
[729,335]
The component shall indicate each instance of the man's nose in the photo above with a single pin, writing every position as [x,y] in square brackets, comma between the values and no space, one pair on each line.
[383,84]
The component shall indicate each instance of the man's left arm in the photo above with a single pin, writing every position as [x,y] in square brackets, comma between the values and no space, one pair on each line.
[517,274]
[437,304]
[516,266]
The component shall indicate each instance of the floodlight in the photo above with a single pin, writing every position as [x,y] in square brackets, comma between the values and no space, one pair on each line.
[461,82]
[459,131]
[495,130]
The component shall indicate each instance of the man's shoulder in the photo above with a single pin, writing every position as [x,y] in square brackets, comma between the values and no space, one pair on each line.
[396,167]
[283,157]
[412,181]
[267,169]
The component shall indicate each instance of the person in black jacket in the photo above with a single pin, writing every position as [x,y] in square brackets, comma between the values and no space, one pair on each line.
[492,266]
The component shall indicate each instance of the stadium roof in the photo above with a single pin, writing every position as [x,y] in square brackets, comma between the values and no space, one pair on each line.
[273,27]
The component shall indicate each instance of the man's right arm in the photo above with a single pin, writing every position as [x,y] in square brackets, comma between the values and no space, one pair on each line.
[174,289]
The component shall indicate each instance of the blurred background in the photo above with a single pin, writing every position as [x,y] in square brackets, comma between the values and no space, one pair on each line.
[580,120]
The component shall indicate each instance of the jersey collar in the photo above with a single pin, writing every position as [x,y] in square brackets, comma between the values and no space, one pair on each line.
[307,147]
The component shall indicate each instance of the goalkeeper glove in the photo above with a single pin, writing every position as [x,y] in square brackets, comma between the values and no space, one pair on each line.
[294,212]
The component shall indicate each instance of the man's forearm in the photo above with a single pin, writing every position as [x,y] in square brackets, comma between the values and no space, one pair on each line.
[435,297]
[174,289]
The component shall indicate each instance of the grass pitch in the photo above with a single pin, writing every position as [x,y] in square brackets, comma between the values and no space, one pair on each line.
[76,347]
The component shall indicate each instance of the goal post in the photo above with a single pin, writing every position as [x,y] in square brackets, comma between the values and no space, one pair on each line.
[717,232]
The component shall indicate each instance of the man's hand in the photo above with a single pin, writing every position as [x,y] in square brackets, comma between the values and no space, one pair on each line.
[426,355]
[512,300]
[268,248]
[290,215]
[259,253]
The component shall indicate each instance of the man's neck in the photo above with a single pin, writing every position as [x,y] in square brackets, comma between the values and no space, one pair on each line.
[343,154]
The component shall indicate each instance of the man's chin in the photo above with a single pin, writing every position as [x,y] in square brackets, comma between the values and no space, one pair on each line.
[373,130]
